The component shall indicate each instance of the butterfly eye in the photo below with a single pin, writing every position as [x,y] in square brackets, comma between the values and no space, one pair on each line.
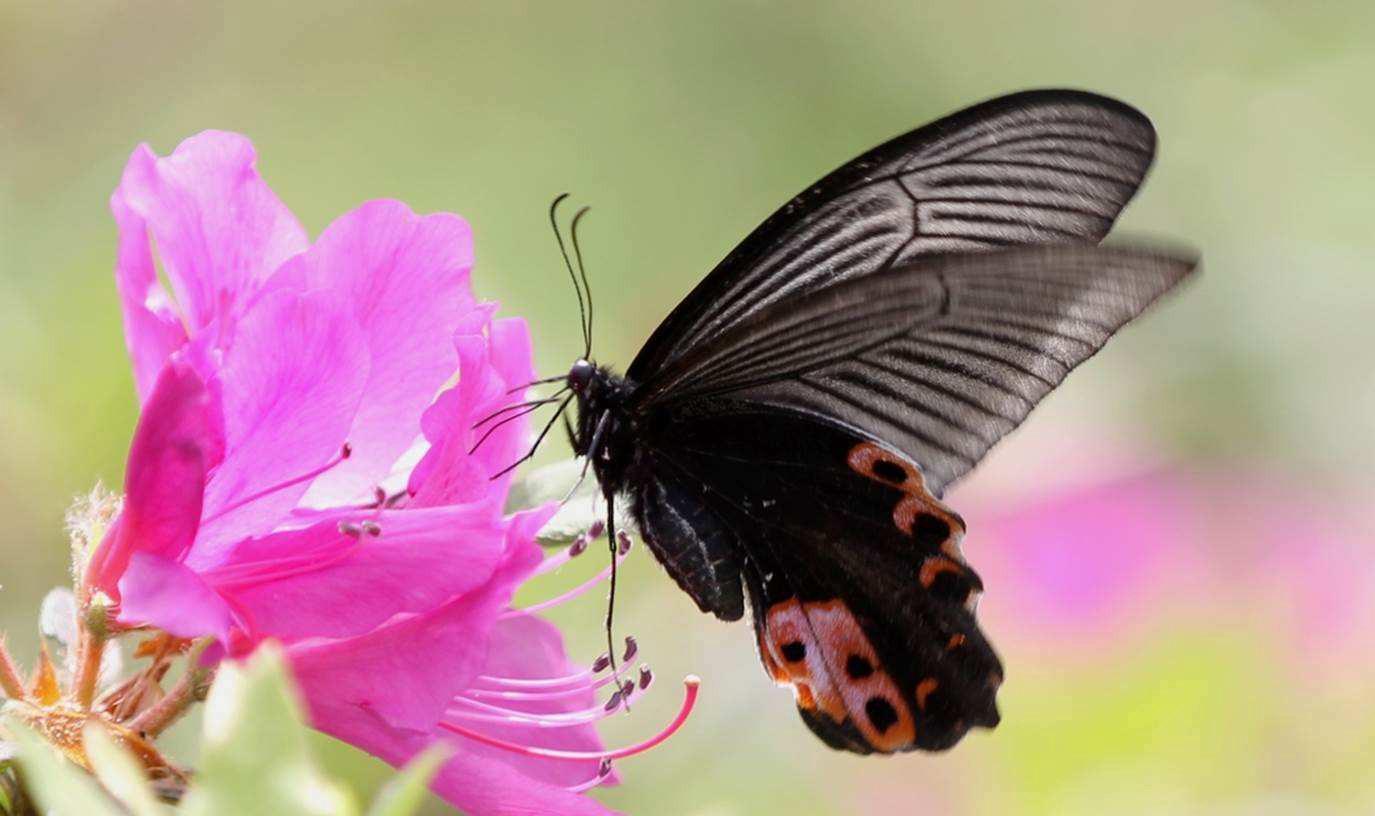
[580,376]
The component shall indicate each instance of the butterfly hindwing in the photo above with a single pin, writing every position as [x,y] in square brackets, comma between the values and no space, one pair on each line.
[862,601]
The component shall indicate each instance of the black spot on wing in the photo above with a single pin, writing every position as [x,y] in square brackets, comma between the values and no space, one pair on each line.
[929,530]
[858,667]
[881,713]
[889,471]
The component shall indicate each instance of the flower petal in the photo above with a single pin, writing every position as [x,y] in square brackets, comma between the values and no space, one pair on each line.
[167,595]
[407,670]
[490,365]
[219,229]
[152,327]
[405,278]
[320,582]
[404,672]
[384,692]
[511,353]
[292,380]
[178,439]
[477,783]
[471,782]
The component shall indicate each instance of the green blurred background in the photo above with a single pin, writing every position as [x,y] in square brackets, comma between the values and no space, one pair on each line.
[1230,671]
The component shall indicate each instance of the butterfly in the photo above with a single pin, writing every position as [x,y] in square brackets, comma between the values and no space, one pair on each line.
[785,436]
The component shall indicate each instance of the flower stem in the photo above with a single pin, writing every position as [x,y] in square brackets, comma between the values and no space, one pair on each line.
[90,651]
[10,681]
[159,717]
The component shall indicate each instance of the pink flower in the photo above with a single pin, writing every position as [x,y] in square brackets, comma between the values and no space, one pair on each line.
[294,477]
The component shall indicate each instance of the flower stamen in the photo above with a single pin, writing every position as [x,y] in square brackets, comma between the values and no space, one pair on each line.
[577,548]
[691,684]
[574,592]
[487,712]
[579,678]
[603,771]
[344,453]
[554,694]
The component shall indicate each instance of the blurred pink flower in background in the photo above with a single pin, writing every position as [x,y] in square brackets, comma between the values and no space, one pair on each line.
[301,473]
[1091,564]
[1086,561]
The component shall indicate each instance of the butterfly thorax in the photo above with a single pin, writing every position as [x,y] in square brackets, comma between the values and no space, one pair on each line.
[603,402]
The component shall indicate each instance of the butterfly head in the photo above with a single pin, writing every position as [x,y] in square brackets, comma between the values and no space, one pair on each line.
[581,376]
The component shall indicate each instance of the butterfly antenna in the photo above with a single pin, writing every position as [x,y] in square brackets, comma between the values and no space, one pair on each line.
[582,272]
[531,454]
[563,250]
[545,381]
[517,406]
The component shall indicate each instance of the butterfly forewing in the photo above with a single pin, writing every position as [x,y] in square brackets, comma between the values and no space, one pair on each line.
[1034,167]
[938,358]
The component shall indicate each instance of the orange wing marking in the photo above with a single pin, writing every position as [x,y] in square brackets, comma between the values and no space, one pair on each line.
[917,513]
[820,651]
[871,461]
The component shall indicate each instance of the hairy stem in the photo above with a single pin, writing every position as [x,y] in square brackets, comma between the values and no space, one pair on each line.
[90,651]
[169,709]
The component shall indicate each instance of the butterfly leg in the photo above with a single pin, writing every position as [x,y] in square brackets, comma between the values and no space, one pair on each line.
[614,545]
[587,461]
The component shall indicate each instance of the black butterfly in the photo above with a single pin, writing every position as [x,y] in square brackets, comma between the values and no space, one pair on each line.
[786,434]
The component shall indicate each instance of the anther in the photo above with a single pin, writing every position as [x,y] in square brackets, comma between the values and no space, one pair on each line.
[350,529]
[602,663]
[372,528]
[596,529]
[578,547]
[631,649]
[613,701]
[380,495]
[646,676]
[623,540]
[627,688]
[553,562]
[603,771]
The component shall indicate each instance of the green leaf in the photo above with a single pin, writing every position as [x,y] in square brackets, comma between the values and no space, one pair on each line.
[406,792]
[255,757]
[121,774]
[58,786]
